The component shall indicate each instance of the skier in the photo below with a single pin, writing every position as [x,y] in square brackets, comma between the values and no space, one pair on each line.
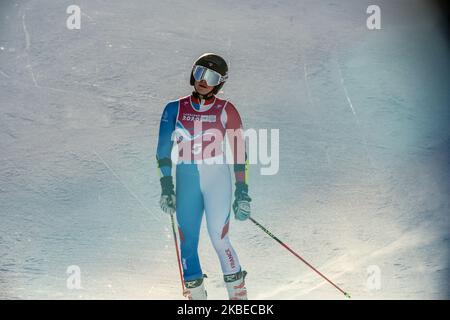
[203,181]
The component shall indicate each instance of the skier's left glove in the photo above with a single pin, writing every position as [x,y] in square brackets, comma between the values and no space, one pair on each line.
[167,201]
[241,204]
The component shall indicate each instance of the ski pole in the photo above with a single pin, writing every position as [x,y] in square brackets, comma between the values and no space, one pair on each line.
[298,256]
[178,255]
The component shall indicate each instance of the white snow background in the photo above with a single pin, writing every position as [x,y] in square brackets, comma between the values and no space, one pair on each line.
[364,145]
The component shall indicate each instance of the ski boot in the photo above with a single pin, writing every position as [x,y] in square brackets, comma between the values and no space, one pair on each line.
[236,285]
[195,289]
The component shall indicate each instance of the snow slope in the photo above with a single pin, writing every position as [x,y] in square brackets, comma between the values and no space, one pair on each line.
[364,145]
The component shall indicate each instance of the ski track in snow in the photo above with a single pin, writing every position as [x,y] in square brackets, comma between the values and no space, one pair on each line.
[126,187]
[27,49]
[4,74]
[358,123]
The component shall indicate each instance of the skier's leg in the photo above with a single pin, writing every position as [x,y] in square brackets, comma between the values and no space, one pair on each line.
[189,208]
[215,181]
[189,216]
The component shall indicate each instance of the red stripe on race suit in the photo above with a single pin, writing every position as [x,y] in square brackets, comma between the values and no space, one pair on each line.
[225,229]
[181,234]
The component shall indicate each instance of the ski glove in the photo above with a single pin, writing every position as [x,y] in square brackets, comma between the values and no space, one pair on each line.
[167,201]
[241,204]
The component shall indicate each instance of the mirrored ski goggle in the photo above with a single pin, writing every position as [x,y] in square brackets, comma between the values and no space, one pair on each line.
[211,77]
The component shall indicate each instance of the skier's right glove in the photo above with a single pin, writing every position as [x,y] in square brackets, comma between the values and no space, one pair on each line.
[241,204]
[167,200]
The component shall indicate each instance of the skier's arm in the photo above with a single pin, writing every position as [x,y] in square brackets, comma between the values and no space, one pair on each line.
[236,140]
[165,142]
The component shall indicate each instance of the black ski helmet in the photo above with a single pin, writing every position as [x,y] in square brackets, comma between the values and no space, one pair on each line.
[214,62]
